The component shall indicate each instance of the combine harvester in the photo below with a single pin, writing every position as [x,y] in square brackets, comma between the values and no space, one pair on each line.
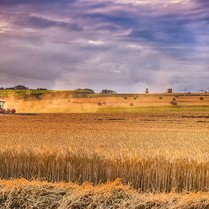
[5,111]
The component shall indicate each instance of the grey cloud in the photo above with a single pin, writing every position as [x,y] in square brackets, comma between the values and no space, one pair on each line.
[43,23]
[72,44]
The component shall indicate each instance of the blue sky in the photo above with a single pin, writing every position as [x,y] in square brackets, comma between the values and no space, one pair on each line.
[125,45]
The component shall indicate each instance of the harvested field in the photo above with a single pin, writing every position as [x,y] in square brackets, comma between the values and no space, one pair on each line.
[160,152]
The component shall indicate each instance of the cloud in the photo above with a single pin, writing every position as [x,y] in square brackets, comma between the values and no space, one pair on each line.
[124,45]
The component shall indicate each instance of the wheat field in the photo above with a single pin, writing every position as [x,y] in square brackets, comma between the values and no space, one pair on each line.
[152,152]
[115,156]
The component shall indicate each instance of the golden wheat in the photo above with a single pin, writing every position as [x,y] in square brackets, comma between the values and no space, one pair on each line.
[151,152]
[147,175]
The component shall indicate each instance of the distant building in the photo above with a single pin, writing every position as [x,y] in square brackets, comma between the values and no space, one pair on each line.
[170,91]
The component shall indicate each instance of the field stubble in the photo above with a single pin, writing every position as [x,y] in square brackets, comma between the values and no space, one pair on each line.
[23,194]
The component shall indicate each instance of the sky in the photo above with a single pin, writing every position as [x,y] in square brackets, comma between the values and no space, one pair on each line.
[124,45]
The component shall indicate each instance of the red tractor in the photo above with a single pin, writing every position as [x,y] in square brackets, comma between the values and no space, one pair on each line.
[5,111]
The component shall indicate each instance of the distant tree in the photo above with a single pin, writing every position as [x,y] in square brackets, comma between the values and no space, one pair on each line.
[42,89]
[108,91]
[86,90]
[20,87]
[10,88]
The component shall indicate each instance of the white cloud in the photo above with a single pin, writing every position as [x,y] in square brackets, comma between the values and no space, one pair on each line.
[96,43]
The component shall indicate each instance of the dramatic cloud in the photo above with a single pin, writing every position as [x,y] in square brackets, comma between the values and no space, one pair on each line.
[126,45]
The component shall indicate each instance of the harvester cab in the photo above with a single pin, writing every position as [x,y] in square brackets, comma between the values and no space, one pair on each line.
[5,111]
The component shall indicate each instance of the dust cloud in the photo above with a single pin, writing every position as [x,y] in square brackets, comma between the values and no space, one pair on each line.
[51,103]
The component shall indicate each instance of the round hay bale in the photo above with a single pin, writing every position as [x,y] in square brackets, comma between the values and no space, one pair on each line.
[174,103]
[201,98]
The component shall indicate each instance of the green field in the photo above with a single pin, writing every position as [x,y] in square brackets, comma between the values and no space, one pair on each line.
[31,93]
[154,109]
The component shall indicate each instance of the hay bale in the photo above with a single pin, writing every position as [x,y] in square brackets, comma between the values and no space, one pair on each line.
[174,103]
[201,98]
